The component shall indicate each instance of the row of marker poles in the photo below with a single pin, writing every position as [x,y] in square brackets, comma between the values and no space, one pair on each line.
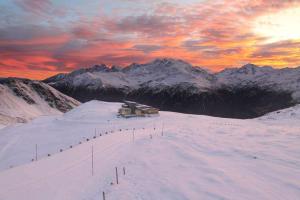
[162,129]
[124,170]
[36,149]
[133,138]
[117,179]
[36,146]
[154,127]
[116,169]
[92,167]
[117,174]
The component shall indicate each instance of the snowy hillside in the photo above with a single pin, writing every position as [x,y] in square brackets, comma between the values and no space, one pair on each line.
[175,85]
[22,100]
[285,114]
[172,156]
[287,79]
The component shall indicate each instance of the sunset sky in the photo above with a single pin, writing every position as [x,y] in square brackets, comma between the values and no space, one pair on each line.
[40,38]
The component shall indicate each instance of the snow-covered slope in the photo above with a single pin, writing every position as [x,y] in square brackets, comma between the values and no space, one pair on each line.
[22,100]
[196,157]
[175,85]
[285,114]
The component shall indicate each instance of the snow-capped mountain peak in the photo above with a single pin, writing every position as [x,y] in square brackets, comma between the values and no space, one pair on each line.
[168,62]
[162,64]
[99,68]
[252,69]
[246,70]
[93,69]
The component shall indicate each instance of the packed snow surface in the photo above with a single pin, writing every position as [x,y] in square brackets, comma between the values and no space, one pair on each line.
[170,156]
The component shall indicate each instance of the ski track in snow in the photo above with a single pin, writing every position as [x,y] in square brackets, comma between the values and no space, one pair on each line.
[198,157]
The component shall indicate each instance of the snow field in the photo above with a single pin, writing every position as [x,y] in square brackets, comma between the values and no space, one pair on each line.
[47,176]
[198,157]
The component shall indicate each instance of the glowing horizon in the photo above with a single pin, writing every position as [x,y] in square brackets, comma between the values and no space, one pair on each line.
[39,39]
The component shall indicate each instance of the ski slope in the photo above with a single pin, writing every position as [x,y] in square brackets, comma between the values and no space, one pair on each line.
[197,157]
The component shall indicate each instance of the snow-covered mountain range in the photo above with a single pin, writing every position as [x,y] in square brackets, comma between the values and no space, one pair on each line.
[22,100]
[156,74]
[176,85]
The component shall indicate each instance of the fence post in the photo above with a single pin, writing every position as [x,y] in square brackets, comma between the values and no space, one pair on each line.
[133,135]
[92,160]
[117,177]
[36,152]
[162,130]
[103,195]
[124,172]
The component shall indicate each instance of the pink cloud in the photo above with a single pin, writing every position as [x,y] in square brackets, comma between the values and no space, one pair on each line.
[215,34]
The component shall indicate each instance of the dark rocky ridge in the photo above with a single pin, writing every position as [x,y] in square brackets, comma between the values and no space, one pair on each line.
[239,103]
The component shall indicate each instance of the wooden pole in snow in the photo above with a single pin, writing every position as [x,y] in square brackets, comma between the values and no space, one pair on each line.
[36,152]
[92,160]
[103,195]
[162,129]
[124,172]
[133,135]
[117,177]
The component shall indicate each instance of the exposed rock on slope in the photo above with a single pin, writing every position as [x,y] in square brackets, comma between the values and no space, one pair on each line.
[22,100]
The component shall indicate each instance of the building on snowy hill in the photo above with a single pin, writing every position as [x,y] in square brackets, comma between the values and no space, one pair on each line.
[134,109]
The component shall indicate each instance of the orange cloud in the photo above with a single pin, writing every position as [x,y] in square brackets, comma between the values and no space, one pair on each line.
[213,34]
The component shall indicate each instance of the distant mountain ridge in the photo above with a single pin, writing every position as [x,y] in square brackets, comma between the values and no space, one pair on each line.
[22,100]
[176,85]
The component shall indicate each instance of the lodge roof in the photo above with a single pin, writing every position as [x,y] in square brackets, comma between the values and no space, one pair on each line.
[138,106]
